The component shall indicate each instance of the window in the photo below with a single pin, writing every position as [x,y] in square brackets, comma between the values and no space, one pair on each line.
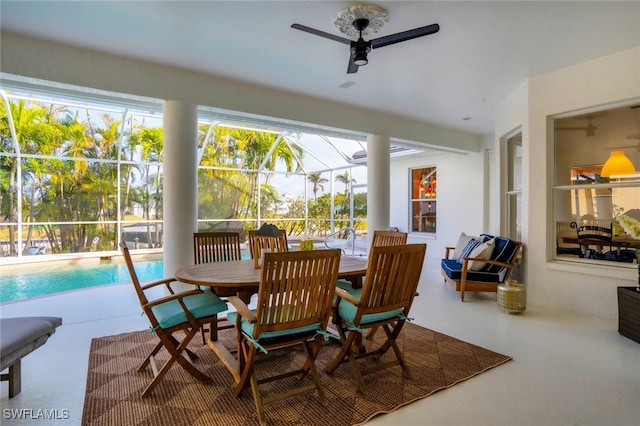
[587,193]
[514,187]
[424,184]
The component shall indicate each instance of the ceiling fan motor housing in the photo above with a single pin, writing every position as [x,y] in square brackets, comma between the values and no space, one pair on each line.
[360,48]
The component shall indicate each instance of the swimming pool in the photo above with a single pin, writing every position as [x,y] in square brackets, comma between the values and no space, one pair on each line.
[43,279]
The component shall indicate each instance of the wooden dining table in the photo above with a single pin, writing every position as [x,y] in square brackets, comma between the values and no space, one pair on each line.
[243,278]
[619,242]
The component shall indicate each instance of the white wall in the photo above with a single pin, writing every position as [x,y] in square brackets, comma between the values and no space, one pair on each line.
[461,190]
[605,81]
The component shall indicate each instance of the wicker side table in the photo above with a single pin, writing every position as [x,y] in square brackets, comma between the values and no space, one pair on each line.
[512,297]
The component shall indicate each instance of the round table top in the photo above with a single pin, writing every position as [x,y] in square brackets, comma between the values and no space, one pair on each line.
[243,273]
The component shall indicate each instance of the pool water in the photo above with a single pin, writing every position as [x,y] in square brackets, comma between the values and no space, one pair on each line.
[47,280]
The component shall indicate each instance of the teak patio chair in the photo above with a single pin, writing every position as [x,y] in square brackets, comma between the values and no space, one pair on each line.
[293,308]
[218,246]
[184,312]
[383,301]
[388,238]
[380,239]
[259,243]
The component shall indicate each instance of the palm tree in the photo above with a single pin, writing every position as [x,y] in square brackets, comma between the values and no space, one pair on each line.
[33,133]
[317,180]
[151,141]
[346,180]
[269,200]
[244,150]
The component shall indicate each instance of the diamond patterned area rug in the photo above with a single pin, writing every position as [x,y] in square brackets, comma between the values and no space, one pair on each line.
[113,388]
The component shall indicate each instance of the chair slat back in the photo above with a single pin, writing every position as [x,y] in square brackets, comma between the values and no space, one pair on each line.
[209,247]
[593,231]
[296,289]
[274,244]
[393,274]
[142,298]
[388,238]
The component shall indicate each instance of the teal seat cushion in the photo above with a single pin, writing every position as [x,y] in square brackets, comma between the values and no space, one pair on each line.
[344,284]
[200,305]
[247,328]
[347,311]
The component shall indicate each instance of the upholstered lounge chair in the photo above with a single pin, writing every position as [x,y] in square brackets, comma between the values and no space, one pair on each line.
[19,337]
[460,274]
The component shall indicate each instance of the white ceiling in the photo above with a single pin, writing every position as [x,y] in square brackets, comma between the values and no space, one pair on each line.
[484,50]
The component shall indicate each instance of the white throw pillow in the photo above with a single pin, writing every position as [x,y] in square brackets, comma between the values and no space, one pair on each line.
[466,251]
[483,251]
[463,240]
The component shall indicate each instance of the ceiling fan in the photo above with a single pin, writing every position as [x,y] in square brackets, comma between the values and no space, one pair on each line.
[636,146]
[590,128]
[363,19]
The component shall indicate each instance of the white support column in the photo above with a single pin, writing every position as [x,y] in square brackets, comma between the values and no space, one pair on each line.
[378,183]
[180,205]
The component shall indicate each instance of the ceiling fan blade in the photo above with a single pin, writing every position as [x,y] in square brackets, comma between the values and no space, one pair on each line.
[321,33]
[352,68]
[571,128]
[404,36]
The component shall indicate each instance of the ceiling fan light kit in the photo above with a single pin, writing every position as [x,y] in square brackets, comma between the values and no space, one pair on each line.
[364,19]
[360,58]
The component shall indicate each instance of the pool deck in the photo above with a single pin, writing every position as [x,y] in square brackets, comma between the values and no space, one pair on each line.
[11,264]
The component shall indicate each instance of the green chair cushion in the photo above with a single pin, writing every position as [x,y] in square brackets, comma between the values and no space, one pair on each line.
[247,328]
[344,284]
[200,305]
[347,311]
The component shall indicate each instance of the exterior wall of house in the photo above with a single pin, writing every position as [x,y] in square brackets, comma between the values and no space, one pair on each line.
[461,189]
[610,80]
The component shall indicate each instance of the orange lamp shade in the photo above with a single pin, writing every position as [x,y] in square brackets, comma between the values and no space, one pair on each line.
[617,164]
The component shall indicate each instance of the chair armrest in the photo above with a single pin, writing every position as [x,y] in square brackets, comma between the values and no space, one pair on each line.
[242,308]
[177,296]
[490,261]
[167,282]
[447,250]
[344,294]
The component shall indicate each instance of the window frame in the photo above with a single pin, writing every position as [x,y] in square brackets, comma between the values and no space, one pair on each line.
[568,203]
[431,173]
